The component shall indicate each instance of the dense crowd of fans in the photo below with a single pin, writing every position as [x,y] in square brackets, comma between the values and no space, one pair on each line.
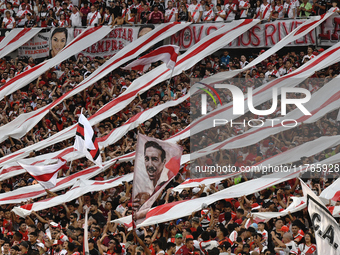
[56,13]
[217,229]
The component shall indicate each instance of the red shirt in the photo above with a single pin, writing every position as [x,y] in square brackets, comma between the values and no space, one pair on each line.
[183,250]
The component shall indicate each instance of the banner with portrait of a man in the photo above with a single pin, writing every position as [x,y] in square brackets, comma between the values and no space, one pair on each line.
[156,163]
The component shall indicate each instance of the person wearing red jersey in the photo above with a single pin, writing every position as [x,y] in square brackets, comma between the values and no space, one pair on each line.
[298,234]
[187,248]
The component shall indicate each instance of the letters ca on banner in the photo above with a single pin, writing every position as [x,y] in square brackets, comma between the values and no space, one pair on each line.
[37,47]
[116,40]
[262,35]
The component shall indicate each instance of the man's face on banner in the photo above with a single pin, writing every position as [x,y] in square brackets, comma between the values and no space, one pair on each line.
[154,163]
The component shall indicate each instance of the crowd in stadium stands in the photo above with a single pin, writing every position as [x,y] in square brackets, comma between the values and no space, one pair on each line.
[218,229]
[77,13]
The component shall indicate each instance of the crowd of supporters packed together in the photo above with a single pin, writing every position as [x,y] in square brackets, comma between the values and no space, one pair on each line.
[76,13]
[218,229]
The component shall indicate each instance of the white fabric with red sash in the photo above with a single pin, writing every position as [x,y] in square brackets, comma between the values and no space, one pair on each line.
[265,11]
[195,11]
[230,10]
[171,14]
[218,16]
[208,15]
[94,16]
[9,21]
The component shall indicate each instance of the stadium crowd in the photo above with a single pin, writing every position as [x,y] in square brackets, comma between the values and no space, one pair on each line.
[217,229]
[76,13]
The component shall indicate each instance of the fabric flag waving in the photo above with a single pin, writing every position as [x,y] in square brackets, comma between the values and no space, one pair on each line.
[168,54]
[86,141]
[45,175]
[156,163]
[327,231]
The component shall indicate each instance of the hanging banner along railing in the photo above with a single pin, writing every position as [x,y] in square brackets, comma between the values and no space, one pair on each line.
[84,40]
[262,93]
[41,45]
[185,61]
[15,38]
[306,27]
[21,125]
[8,169]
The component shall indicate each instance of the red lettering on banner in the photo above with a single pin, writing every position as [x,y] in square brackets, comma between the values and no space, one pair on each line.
[124,34]
[176,38]
[303,39]
[255,35]
[198,38]
[324,35]
[120,32]
[100,46]
[311,36]
[121,45]
[266,35]
[211,28]
[114,45]
[107,45]
[187,37]
[279,30]
[335,35]
[130,33]
[249,39]
[93,48]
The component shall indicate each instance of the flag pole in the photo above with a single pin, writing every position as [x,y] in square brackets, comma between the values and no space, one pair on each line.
[81,112]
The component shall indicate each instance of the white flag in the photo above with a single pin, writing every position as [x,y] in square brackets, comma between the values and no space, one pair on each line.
[327,231]
[86,141]
[45,175]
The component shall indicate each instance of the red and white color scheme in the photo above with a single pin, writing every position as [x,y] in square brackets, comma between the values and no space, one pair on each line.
[326,227]
[157,162]
[25,122]
[45,175]
[35,191]
[199,51]
[79,188]
[86,141]
[332,192]
[88,37]
[167,54]
[16,38]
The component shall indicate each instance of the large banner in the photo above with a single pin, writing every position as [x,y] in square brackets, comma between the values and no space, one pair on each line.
[260,36]
[48,44]
[327,230]
[112,43]
[156,163]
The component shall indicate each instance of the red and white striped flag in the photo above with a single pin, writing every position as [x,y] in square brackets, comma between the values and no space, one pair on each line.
[86,141]
[168,54]
[45,175]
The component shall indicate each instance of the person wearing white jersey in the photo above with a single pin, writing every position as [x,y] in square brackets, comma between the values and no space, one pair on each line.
[230,10]
[93,17]
[208,14]
[195,11]
[171,13]
[220,14]
[289,9]
[265,11]
[243,7]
